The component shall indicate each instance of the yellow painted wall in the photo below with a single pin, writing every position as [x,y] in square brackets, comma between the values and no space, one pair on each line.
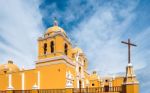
[95,82]
[53,76]
[30,78]
[118,81]
[16,80]
[59,42]
[130,88]
[3,81]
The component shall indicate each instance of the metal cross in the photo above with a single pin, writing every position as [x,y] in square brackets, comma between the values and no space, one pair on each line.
[129,47]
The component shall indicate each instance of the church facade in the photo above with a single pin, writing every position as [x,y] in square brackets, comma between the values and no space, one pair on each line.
[61,66]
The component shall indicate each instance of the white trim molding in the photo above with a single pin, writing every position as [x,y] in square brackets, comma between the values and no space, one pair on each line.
[67,60]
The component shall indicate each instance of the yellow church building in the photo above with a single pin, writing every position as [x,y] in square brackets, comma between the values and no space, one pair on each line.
[62,66]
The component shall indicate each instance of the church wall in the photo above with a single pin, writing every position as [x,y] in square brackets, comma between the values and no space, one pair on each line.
[52,76]
[94,80]
[40,49]
[3,81]
[118,81]
[59,45]
[96,83]
[16,81]
[30,78]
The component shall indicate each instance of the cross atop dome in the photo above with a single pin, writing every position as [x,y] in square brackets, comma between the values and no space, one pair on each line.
[55,22]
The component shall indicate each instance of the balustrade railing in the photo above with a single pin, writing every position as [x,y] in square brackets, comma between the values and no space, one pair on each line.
[117,89]
[97,90]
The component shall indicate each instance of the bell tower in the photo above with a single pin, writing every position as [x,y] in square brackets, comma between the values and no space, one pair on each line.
[54,43]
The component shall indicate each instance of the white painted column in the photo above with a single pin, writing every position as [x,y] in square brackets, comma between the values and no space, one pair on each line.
[102,84]
[77,83]
[38,79]
[83,86]
[10,78]
[23,80]
[110,86]
[10,82]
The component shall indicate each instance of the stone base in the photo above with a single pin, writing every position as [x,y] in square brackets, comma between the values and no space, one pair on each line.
[130,88]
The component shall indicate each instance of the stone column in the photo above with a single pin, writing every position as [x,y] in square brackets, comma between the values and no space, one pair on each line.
[131,85]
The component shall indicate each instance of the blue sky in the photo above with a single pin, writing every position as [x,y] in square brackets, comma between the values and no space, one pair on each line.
[97,26]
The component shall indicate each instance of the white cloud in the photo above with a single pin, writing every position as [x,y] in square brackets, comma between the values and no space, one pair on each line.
[20,27]
[100,37]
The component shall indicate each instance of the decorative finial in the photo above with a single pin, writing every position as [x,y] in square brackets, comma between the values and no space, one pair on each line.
[55,21]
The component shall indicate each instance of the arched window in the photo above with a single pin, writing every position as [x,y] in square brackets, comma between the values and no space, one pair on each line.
[80,84]
[45,48]
[66,49]
[80,69]
[84,63]
[52,46]
[92,84]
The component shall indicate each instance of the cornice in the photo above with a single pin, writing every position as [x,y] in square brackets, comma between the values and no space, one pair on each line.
[67,60]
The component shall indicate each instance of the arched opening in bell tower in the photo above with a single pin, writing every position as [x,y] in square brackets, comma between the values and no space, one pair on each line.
[66,49]
[45,49]
[52,46]
[79,69]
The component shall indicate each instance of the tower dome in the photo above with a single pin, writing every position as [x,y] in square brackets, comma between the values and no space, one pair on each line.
[55,28]
[8,67]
